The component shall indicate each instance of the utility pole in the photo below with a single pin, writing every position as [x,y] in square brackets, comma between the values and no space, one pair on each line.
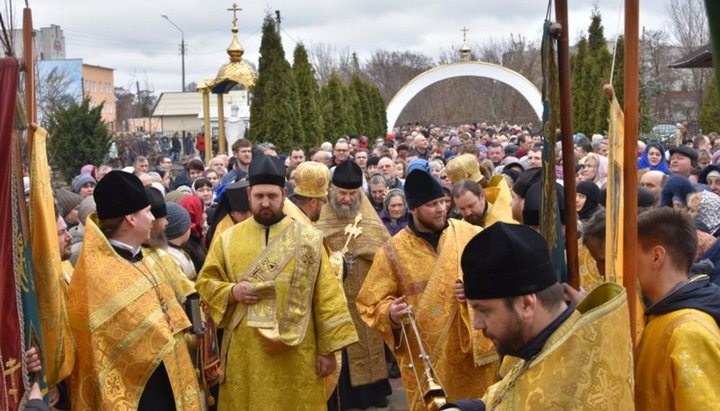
[182,48]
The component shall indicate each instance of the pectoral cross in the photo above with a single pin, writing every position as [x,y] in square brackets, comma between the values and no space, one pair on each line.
[464,30]
[234,8]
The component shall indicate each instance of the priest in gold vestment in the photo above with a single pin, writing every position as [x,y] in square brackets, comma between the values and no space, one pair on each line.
[555,356]
[125,318]
[269,284]
[364,378]
[417,269]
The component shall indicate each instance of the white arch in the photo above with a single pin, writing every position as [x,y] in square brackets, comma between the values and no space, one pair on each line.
[466,68]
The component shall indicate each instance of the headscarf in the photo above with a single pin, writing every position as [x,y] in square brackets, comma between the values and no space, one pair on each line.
[709,211]
[194,206]
[676,188]
[602,168]
[644,162]
[592,197]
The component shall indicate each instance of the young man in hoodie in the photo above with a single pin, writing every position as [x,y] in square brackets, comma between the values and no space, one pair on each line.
[678,360]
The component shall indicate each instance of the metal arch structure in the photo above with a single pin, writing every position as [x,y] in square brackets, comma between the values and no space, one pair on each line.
[463,69]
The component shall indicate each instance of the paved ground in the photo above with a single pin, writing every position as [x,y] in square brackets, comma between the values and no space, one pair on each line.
[398,402]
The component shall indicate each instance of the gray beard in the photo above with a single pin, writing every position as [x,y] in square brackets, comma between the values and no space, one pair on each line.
[345,211]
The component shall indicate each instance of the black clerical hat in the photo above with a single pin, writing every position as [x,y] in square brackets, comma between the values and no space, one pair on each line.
[237,198]
[157,202]
[420,188]
[267,170]
[506,260]
[119,194]
[533,201]
[347,175]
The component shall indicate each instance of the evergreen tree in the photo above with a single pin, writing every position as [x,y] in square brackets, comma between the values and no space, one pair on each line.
[274,112]
[360,104]
[591,70]
[619,74]
[79,137]
[335,108]
[378,113]
[308,97]
[710,111]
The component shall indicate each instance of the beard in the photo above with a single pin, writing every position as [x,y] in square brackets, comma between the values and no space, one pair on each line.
[512,339]
[431,222]
[345,210]
[267,216]
[474,219]
[65,253]
[157,239]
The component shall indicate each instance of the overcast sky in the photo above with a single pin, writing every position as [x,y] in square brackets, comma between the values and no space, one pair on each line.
[131,37]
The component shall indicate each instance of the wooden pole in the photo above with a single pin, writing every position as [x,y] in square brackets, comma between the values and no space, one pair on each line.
[568,148]
[208,130]
[29,68]
[222,143]
[630,173]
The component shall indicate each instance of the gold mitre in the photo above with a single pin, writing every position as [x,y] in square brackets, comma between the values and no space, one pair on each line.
[312,179]
[464,166]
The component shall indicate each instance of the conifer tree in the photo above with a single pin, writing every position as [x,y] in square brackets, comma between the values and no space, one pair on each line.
[710,111]
[378,113]
[79,137]
[274,112]
[591,70]
[308,97]
[360,104]
[335,108]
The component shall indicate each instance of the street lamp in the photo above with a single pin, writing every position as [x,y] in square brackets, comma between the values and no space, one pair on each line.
[182,48]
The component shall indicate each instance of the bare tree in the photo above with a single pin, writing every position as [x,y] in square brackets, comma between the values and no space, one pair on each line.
[689,28]
[327,59]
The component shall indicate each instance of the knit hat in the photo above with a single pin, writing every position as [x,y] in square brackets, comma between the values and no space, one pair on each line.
[178,220]
[119,194]
[419,164]
[420,188]
[519,263]
[312,179]
[347,175]
[86,207]
[66,201]
[157,202]
[79,181]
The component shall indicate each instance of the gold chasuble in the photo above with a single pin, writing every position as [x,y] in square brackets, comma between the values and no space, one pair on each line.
[464,361]
[498,198]
[122,331]
[270,348]
[366,358]
[222,226]
[586,364]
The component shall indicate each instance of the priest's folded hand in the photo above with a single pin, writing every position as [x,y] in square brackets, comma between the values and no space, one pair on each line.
[325,365]
[398,309]
[242,294]
[459,290]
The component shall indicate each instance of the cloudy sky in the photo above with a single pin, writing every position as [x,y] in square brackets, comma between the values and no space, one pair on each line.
[132,37]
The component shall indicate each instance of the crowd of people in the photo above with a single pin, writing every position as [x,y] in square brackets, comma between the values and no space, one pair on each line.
[270,280]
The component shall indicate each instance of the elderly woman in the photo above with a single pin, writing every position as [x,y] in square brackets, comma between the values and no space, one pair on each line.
[395,212]
[595,169]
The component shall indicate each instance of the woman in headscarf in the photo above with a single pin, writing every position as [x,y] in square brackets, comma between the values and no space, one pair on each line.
[653,158]
[595,169]
[195,246]
[587,199]
[705,208]
[395,213]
